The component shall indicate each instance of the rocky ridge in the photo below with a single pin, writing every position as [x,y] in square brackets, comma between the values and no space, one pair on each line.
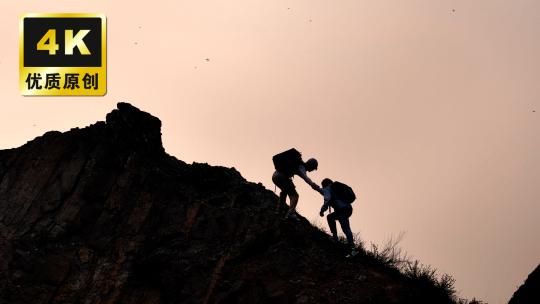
[103,214]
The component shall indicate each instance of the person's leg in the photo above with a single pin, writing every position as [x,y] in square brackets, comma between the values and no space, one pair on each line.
[282,205]
[346,227]
[343,218]
[281,182]
[331,218]
[290,189]
[294,201]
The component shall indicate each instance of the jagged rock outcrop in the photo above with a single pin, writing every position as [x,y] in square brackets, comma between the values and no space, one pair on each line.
[103,215]
[529,292]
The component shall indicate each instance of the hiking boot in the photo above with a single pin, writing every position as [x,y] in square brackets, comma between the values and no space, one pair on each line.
[334,239]
[353,253]
[281,209]
[292,215]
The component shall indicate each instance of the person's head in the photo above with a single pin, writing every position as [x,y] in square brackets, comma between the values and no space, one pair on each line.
[311,164]
[326,182]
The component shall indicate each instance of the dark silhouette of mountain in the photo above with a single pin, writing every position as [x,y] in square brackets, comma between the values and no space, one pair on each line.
[529,292]
[103,215]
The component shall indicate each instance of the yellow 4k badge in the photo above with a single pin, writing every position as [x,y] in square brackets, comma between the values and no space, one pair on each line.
[63,54]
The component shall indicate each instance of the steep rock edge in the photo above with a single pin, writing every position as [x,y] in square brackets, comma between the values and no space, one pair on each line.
[529,292]
[103,215]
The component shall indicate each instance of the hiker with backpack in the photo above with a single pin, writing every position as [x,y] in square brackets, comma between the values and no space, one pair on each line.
[340,197]
[288,164]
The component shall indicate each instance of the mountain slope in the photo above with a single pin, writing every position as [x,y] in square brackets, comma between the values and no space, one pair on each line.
[529,292]
[103,215]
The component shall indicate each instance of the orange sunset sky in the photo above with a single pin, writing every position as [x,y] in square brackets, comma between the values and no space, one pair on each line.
[429,109]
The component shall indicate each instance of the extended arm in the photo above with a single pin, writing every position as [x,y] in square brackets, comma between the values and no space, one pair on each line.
[327,196]
[302,173]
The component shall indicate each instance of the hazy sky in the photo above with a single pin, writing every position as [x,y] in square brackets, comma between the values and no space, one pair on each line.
[426,112]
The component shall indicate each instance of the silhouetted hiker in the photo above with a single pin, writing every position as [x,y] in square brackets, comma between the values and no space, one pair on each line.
[288,164]
[340,197]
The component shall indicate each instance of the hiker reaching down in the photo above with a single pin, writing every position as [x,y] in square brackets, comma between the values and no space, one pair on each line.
[340,197]
[288,164]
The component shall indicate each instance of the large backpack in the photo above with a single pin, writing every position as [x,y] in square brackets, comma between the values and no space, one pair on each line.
[343,192]
[288,162]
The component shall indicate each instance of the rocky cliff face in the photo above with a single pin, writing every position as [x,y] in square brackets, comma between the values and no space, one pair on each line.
[529,292]
[103,215]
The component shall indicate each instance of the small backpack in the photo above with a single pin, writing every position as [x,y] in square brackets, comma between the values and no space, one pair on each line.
[343,192]
[288,162]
